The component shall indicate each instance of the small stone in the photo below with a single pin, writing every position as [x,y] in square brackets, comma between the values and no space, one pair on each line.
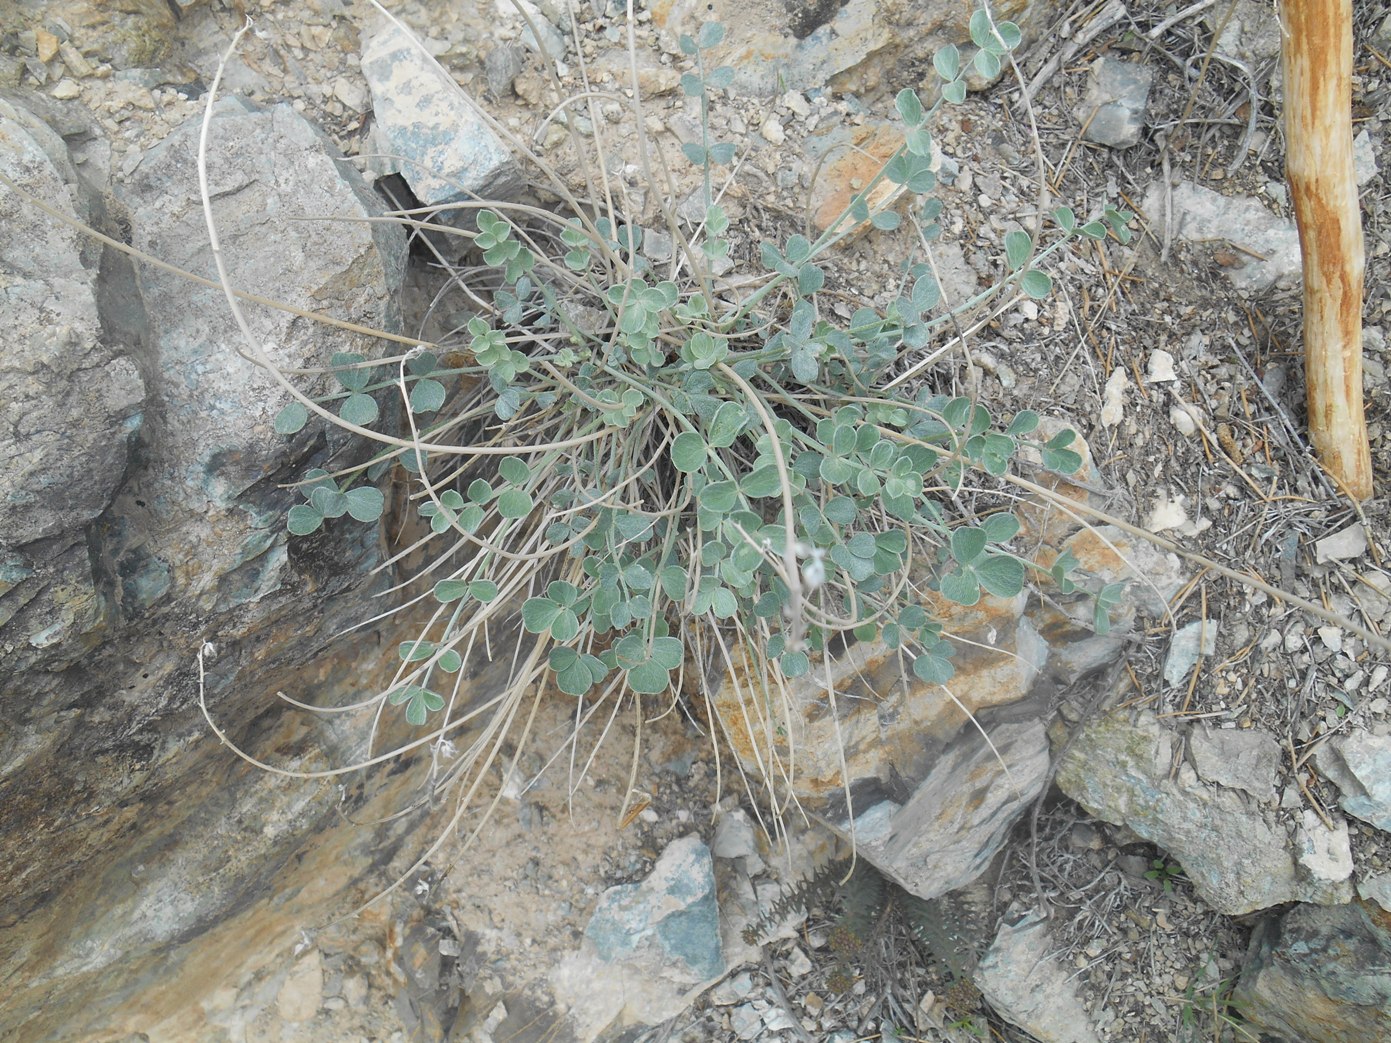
[66,90]
[1182,420]
[797,963]
[1161,367]
[796,102]
[1342,545]
[1332,637]
[351,93]
[45,44]
[772,131]
[302,991]
[731,990]
[72,58]
[1114,108]
[1192,640]
[355,990]
[1364,159]
[1113,397]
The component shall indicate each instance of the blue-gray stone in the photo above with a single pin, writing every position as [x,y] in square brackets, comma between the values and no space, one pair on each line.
[671,916]
[429,130]
[1359,764]
[1114,108]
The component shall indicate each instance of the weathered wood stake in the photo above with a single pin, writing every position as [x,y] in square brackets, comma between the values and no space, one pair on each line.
[1317,50]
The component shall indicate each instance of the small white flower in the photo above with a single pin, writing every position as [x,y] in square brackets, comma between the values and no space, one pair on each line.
[208,651]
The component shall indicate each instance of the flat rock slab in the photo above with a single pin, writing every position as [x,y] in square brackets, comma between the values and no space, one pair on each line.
[1237,852]
[1267,246]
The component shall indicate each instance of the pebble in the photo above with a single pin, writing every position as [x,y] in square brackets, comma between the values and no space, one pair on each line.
[772,131]
[302,992]
[66,90]
[1346,543]
[797,963]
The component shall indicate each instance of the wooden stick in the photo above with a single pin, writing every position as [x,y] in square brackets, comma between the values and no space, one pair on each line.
[1317,50]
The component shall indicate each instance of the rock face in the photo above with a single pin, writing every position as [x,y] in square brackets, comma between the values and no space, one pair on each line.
[74,396]
[137,852]
[1321,974]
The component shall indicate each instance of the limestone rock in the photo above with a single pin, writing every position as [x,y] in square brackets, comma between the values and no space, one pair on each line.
[1359,764]
[1319,974]
[1202,215]
[1237,853]
[1027,986]
[211,443]
[649,948]
[1114,108]
[70,397]
[450,153]
[1245,760]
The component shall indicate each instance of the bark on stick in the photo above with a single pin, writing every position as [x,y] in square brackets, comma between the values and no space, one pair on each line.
[1317,49]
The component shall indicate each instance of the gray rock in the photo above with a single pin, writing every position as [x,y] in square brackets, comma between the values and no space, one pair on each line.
[1359,764]
[671,917]
[430,130]
[1342,545]
[1320,974]
[211,442]
[957,818]
[1244,760]
[1376,889]
[1028,987]
[1364,158]
[1238,855]
[70,396]
[1202,215]
[650,948]
[1251,32]
[1198,638]
[1114,108]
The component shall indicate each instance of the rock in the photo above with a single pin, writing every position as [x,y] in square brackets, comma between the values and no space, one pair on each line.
[649,948]
[1359,764]
[1027,986]
[732,990]
[1198,638]
[1364,159]
[1237,854]
[850,157]
[301,993]
[426,118]
[172,882]
[72,397]
[1320,974]
[1202,215]
[1161,367]
[1324,854]
[1114,109]
[1342,545]
[1376,888]
[1246,760]
[1251,33]
[931,800]
[851,46]
[671,915]
[734,838]
[215,443]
